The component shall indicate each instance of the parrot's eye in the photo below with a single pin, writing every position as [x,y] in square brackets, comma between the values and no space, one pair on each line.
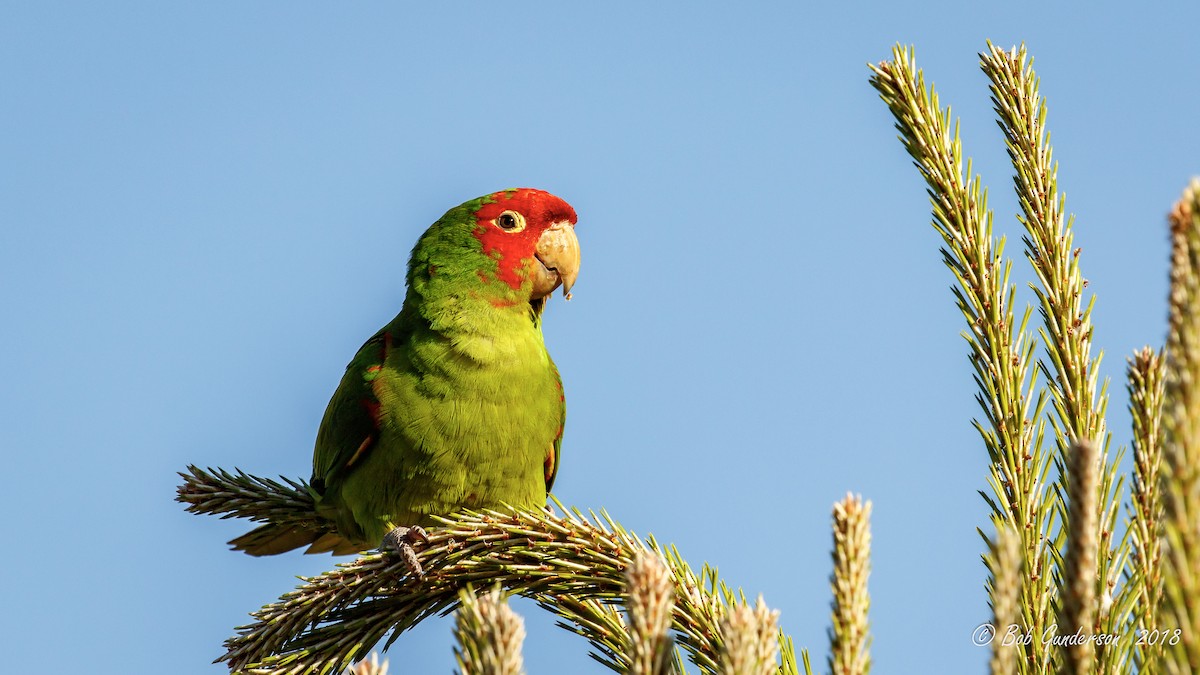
[510,221]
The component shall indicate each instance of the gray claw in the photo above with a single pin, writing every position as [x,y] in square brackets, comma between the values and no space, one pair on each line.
[401,541]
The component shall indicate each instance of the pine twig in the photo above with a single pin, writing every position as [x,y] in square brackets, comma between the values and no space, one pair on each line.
[650,601]
[1067,332]
[489,635]
[1079,564]
[1005,564]
[1144,581]
[849,638]
[1180,480]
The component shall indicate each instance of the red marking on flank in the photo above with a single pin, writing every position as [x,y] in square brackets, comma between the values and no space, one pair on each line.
[548,465]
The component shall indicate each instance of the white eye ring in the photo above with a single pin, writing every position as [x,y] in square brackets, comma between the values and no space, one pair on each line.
[510,221]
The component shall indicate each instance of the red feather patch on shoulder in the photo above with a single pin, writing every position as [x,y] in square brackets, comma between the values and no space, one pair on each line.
[539,208]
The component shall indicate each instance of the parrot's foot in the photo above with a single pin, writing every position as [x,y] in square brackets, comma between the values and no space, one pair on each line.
[401,541]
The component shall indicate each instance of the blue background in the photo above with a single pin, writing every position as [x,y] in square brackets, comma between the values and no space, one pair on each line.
[206,207]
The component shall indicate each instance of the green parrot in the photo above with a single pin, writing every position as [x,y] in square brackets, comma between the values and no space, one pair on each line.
[455,402]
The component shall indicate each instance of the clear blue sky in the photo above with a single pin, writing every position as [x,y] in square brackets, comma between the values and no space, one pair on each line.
[206,207]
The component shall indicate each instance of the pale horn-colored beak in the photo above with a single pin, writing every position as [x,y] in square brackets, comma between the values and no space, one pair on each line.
[558,252]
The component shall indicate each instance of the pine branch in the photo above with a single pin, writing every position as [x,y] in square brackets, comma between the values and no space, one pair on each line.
[1180,479]
[1067,333]
[849,638]
[570,564]
[1143,584]
[1001,351]
[489,635]
[1013,403]
[1071,372]
[240,495]
[599,621]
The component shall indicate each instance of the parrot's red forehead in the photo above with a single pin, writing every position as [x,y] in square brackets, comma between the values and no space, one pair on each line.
[538,206]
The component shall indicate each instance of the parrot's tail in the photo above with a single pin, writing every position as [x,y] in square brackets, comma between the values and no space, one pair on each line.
[273,539]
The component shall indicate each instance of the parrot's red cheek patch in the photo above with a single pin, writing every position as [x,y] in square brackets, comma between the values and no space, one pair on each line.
[507,250]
